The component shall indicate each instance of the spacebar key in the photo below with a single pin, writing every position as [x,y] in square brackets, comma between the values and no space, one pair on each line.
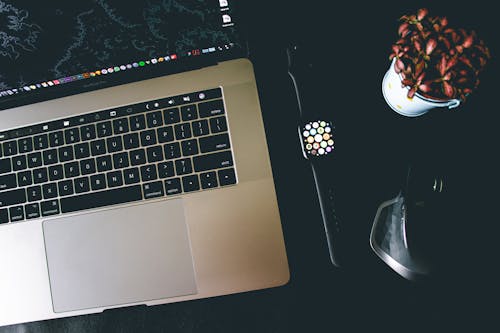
[101,199]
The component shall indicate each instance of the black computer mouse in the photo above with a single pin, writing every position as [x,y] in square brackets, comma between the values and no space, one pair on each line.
[428,195]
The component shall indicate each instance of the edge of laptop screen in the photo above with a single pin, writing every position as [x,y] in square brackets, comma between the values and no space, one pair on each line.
[59,48]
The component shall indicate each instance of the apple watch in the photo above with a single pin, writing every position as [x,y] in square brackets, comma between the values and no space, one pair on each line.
[317,138]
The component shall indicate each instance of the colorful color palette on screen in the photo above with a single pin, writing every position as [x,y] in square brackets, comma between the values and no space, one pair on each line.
[318,138]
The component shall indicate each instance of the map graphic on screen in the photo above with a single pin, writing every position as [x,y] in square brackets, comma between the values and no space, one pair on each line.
[51,42]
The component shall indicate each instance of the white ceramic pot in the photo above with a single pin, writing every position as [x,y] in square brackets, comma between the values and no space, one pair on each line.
[395,95]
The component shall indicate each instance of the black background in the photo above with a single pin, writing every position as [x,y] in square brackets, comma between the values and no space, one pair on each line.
[350,43]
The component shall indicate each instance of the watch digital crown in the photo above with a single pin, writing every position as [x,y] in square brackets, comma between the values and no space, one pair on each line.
[317,138]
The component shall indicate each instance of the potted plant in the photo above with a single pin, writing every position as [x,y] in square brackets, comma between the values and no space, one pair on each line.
[433,65]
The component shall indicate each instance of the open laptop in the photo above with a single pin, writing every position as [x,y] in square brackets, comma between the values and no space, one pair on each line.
[134,166]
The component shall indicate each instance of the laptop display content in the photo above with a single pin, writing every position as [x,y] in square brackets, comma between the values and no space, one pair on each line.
[133,159]
[55,49]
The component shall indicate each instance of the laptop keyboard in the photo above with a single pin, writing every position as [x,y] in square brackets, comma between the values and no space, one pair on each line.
[148,150]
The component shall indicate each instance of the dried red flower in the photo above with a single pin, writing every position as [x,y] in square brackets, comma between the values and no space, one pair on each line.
[436,60]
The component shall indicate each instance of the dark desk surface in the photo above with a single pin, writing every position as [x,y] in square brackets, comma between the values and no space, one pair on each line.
[352,43]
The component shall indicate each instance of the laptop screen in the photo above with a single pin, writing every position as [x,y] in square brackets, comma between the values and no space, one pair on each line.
[50,49]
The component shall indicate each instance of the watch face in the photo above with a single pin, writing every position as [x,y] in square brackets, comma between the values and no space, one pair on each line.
[317,138]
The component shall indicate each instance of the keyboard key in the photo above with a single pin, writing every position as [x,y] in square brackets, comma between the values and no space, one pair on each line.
[88,132]
[40,175]
[98,182]
[13,197]
[98,147]
[213,161]
[189,147]
[183,166]
[183,131]
[114,178]
[71,169]
[56,172]
[189,112]
[104,163]
[165,134]
[227,177]
[41,142]
[148,138]
[50,207]
[101,199]
[65,187]
[200,127]
[25,145]
[171,116]
[32,211]
[212,108]
[218,124]
[19,162]
[190,183]
[10,148]
[5,165]
[82,184]
[8,181]
[50,157]
[82,150]
[173,186]
[153,190]
[131,176]
[56,139]
[210,94]
[120,160]
[120,125]
[148,172]
[115,144]
[137,122]
[4,216]
[155,154]
[214,143]
[172,150]
[66,154]
[166,169]
[34,193]
[49,191]
[154,119]
[137,157]
[72,135]
[87,166]
[34,160]
[131,141]
[24,178]
[104,129]
[16,213]
[208,180]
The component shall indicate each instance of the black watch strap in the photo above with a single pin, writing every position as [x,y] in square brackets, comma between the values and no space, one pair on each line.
[319,153]
[326,197]
[302,73]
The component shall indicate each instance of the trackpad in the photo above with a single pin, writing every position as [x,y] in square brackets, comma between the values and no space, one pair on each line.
[118,256]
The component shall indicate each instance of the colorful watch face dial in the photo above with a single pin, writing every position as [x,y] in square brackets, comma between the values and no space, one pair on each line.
[317,138]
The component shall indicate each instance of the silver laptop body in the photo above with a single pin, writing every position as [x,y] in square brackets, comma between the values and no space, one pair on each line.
[208,239]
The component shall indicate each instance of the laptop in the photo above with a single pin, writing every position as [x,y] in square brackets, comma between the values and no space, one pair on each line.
[134,166]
